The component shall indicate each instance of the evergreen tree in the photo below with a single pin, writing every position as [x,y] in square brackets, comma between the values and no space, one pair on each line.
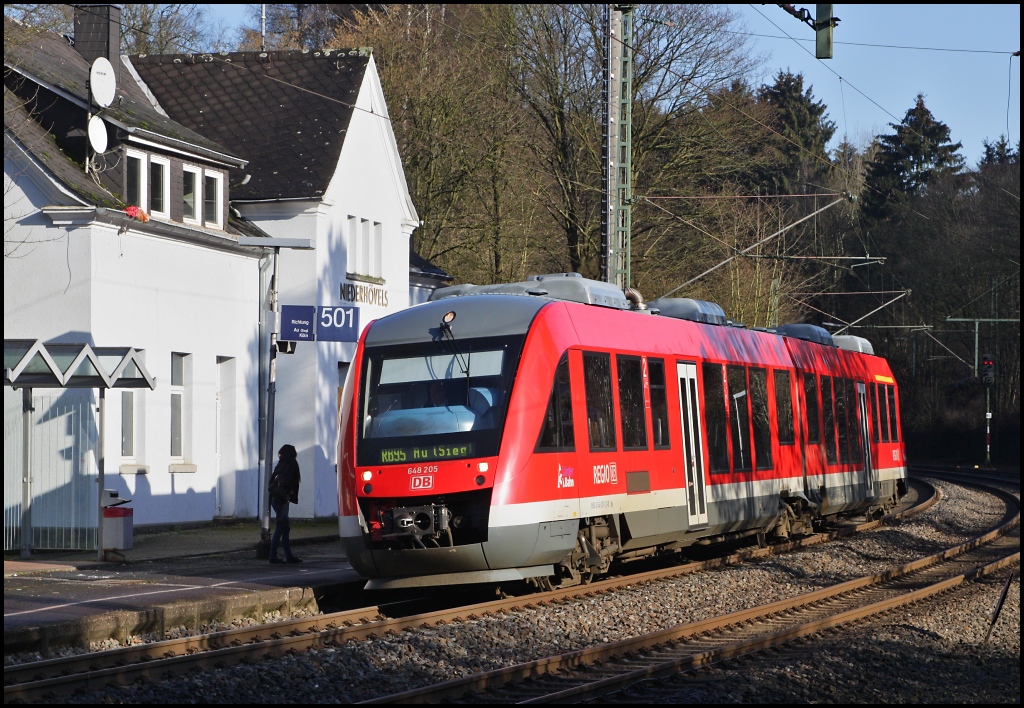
[804,128]
[917,153]
[1000,152]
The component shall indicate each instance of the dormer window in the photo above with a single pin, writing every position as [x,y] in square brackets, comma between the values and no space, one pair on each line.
[159,187]
[191,179]
[198,192]
[135,169]
[213,200]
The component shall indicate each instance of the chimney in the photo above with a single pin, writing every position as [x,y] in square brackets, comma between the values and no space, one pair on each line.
[98,33]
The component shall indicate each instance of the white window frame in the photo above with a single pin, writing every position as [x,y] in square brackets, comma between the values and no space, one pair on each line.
[166,165]
[196,172]
[143,178]
[178,389]
[377,251]
[128,421]
[217,221]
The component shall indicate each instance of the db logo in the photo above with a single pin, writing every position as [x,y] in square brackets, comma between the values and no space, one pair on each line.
[422,481]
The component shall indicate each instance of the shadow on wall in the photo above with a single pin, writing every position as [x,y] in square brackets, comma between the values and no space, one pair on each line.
[65,441]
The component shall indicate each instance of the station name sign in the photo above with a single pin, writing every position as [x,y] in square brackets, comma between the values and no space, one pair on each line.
[364,293]
[326,323]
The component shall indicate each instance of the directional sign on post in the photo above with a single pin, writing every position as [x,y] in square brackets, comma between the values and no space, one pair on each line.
[298,323]
[327,323]
[337,324]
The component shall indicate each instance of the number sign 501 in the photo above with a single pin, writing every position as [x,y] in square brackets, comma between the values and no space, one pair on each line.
[338,324]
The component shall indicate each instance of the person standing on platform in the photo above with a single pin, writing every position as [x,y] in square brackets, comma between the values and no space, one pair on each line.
[284,490]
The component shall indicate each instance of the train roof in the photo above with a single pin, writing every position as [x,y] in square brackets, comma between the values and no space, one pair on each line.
[485,315]
[510,309]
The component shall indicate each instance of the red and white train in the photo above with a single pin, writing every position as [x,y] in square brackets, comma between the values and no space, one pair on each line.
[542,430]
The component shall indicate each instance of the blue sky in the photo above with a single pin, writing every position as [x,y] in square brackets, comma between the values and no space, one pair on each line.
[868,87]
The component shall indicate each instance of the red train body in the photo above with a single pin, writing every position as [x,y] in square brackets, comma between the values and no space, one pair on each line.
[576,430]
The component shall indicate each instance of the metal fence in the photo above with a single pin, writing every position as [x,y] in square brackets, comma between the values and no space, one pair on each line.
[64,451]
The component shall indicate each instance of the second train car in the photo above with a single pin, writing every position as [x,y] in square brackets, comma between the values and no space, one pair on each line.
[541,431]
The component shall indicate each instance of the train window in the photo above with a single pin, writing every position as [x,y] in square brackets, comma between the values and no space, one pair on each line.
[597,379]
[883,413]
[842,419]
[856,439]
[557,434]
[739,418]
[715,417]
[424,402]
[811,394]
[829,417]
[762,424]
[784,407]
[890,392]
[659,402]
[632,416]
[874,411]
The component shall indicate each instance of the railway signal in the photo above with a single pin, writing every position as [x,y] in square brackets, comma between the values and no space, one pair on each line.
[988,369]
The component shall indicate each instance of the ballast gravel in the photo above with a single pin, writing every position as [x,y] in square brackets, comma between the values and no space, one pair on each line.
[922,654]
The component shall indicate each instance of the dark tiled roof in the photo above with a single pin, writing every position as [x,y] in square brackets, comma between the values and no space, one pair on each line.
[44,147]
[48,57]
[285,112]
[420,265]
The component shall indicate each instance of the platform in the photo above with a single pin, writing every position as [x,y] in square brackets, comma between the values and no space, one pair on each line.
[172,578]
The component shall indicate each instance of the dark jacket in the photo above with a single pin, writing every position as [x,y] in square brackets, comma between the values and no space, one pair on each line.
[284,482]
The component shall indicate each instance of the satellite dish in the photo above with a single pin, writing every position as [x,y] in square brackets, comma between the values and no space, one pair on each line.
[102,83]
[97,135]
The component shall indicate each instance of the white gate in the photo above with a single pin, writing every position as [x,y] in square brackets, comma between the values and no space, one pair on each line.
[65,435]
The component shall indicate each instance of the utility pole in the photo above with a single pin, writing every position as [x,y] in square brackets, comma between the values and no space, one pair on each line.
[617,148]
[273,247]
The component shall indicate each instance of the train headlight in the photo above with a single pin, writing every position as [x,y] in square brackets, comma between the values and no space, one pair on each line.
[367,475]
[483,467]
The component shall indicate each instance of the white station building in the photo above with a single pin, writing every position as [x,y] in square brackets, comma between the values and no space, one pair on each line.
[145,242]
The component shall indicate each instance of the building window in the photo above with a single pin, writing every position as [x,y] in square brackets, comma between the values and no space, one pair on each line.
[128,424]
[178,421]
[365,247]
[135,184]
[159,186]
[213,199]
[377,262]
[190,181]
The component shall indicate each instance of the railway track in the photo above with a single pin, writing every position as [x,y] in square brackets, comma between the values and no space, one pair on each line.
[52,678]
[588,674]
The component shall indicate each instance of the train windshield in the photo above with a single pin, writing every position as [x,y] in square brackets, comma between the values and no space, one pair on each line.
[435,400]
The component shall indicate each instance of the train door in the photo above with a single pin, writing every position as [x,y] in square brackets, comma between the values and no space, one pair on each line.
[865,438]
[693,447]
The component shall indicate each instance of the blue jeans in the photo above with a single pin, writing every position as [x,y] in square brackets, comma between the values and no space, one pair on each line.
[282,528]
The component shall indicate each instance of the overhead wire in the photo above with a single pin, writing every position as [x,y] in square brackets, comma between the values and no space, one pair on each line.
[911,209]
